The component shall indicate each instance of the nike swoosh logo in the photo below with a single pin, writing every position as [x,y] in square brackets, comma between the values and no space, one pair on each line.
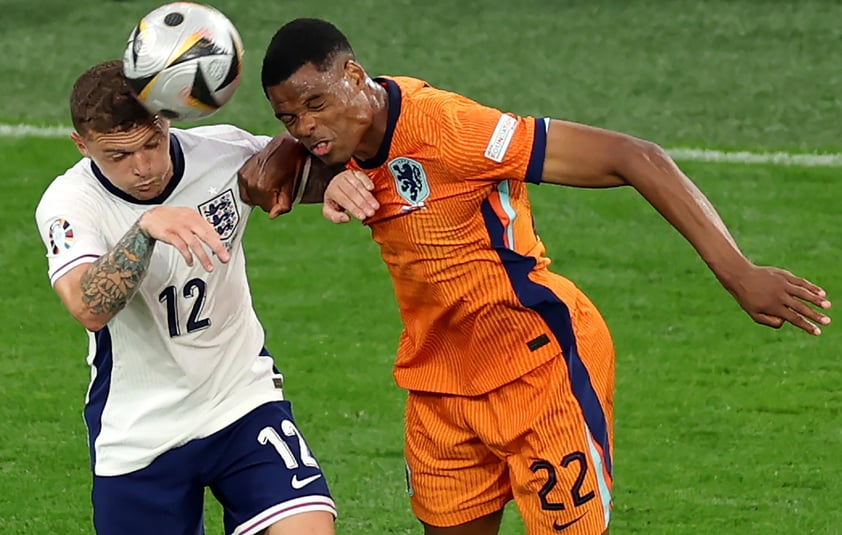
[301,483]
[562,527]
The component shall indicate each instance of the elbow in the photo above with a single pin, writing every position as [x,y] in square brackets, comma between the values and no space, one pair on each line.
[656,154]
[88,320]
[648,151]
[643,159]
[92,324]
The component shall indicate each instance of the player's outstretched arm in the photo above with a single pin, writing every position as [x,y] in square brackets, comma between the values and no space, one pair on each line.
[95,293]
[283,174]
[579,155]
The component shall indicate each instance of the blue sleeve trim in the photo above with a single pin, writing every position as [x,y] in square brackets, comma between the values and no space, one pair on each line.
[535,171]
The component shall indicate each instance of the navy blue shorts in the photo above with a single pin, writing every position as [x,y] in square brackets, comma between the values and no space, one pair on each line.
[259,468]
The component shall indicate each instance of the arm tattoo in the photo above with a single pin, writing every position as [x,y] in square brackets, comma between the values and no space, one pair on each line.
[320,176]
[113,279]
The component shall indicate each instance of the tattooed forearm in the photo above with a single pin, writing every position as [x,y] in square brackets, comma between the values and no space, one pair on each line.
[114,278]
[320,177]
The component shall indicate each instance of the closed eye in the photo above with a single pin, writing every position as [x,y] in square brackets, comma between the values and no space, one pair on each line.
[285,118]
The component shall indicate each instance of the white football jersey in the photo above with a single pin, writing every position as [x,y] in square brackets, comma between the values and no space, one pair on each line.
[186,356]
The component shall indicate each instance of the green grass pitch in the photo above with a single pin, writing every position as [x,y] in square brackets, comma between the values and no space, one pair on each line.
[722,426]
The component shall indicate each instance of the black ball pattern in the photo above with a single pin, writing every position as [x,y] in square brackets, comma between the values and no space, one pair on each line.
[173,19]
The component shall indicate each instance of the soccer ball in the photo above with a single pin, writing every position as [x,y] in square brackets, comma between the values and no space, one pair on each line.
[184,60]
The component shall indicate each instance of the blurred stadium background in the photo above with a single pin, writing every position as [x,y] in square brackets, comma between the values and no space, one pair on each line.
[722,426]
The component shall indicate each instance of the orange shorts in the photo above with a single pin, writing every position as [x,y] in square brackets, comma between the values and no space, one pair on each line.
[545,440]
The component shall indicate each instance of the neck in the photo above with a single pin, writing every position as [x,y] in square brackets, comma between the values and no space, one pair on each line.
[372,139]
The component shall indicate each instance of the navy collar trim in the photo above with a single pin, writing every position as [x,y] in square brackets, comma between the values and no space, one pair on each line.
[393,92]
[177,157]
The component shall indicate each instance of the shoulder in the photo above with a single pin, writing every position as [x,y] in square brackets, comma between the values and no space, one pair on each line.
[418,92]
[223,136]
[74,190]
[423,102]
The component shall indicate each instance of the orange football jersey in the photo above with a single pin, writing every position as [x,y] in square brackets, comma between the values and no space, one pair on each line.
[479,306]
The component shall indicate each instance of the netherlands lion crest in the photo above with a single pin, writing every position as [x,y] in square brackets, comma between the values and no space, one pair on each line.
[221,212]
[411,180]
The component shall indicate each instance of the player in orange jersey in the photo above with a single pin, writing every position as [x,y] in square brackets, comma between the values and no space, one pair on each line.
[509,367]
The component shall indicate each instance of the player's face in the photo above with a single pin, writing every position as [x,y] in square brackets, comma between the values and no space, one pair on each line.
[328,111]
[136,160]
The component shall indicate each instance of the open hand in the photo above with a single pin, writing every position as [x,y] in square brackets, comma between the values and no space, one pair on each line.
[186,230]
[774,296]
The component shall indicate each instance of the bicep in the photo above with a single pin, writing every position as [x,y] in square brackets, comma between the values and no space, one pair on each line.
[69,289]
[585,156]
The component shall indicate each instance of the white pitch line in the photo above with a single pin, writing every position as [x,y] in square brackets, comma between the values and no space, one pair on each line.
[679,153]
[749,158]
[28,130]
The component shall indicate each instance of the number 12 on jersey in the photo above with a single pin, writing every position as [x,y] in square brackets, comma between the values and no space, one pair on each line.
[195,290]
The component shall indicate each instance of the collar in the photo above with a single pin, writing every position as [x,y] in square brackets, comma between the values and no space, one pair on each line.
[393,93]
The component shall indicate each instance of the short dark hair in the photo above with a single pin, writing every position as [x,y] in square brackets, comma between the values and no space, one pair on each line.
[102,101]
[298,43]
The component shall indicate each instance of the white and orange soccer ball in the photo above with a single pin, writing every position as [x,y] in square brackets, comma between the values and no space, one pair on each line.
[184,60]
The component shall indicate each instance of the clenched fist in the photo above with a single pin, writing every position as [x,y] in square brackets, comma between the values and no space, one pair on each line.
[271,179]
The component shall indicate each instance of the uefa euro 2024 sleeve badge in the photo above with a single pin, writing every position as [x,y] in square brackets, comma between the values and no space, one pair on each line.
[61,236]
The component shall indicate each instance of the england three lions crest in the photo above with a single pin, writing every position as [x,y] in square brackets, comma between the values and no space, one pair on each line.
[411,180]
[221,212]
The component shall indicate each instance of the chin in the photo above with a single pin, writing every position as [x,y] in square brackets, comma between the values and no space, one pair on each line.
[147,195]
[335,158]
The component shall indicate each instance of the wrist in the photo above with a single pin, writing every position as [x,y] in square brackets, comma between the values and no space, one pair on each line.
[301,186]
[142,225]
[730,269]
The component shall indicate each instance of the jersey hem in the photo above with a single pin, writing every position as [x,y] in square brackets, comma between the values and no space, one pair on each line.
[216,424]
[413,380]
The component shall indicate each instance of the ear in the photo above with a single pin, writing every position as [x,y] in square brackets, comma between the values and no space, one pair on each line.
[355,72]
[163,123]
[80,144]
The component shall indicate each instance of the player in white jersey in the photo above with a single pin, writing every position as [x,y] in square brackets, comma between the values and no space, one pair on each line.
[183,393]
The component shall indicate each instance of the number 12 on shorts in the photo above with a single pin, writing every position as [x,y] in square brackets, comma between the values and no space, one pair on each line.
[268,435]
